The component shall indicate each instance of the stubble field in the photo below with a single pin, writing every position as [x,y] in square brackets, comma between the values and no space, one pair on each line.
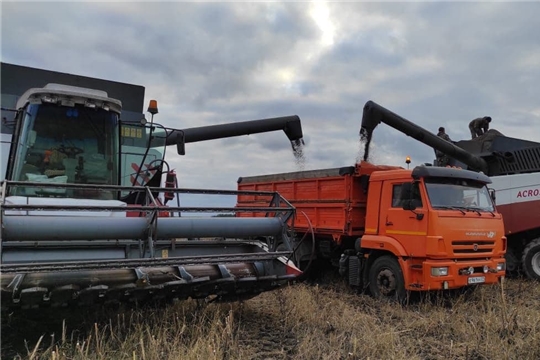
[302,321]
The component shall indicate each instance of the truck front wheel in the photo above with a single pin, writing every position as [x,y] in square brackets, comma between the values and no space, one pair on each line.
[531,260]
[386,279]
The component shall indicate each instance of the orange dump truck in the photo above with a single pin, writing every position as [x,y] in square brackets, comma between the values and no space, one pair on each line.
[390,230]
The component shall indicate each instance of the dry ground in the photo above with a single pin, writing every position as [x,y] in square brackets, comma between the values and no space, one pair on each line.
[298,322]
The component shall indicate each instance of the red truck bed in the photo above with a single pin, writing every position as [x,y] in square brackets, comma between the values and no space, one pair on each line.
[334,199]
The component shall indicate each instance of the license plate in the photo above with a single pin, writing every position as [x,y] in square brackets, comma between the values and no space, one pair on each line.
[476,280]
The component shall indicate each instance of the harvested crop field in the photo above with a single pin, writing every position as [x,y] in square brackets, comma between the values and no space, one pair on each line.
[303,321]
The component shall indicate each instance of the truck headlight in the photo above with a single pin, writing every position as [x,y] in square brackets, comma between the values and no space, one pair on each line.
[501,266]
[439,271]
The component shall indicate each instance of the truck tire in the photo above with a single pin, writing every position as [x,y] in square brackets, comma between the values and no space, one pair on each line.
[530,260]
[513,263]
[386,279]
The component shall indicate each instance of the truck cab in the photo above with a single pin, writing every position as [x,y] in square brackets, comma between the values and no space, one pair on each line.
[439,224]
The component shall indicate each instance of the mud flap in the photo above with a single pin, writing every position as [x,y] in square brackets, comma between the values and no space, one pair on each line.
[355,277]
[350,266]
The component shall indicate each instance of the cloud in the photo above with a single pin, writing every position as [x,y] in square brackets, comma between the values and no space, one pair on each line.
[435,63]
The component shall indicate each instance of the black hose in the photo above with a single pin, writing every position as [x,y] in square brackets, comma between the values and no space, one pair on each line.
[305,272]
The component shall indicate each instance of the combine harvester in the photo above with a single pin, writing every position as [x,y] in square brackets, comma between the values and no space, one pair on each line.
[391,230]
[512,164]
[83,210]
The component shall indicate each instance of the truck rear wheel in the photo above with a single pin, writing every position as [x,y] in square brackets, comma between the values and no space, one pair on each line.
[531,260]
[386,279]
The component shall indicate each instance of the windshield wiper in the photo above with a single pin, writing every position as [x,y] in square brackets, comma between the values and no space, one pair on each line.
[478,209]
[450,208]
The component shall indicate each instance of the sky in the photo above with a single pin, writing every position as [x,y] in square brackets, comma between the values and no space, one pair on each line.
[434,63]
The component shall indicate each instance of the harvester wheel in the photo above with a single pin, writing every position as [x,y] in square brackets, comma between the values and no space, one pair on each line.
[531,260]
[386,279]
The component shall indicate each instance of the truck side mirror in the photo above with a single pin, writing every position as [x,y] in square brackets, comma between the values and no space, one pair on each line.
[180,142]
[409,204]
[406,191]
[492,194]
[408,200]
[406,196]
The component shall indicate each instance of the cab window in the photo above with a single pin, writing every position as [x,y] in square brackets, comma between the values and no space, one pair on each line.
[398,199]
[396,196]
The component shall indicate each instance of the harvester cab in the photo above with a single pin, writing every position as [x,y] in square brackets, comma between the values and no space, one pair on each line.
[64,134]
[82,222]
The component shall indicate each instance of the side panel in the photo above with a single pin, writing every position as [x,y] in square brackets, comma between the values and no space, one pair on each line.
[334,205]
[374,205]
[7,127]
[5,144]
[387,243]
[403,225]
[518,200]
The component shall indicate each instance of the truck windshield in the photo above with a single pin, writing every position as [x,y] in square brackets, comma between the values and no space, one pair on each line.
[60,144]
[448,193]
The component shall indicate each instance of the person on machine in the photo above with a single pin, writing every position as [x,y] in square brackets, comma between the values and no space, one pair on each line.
[441,158]
[479,126]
